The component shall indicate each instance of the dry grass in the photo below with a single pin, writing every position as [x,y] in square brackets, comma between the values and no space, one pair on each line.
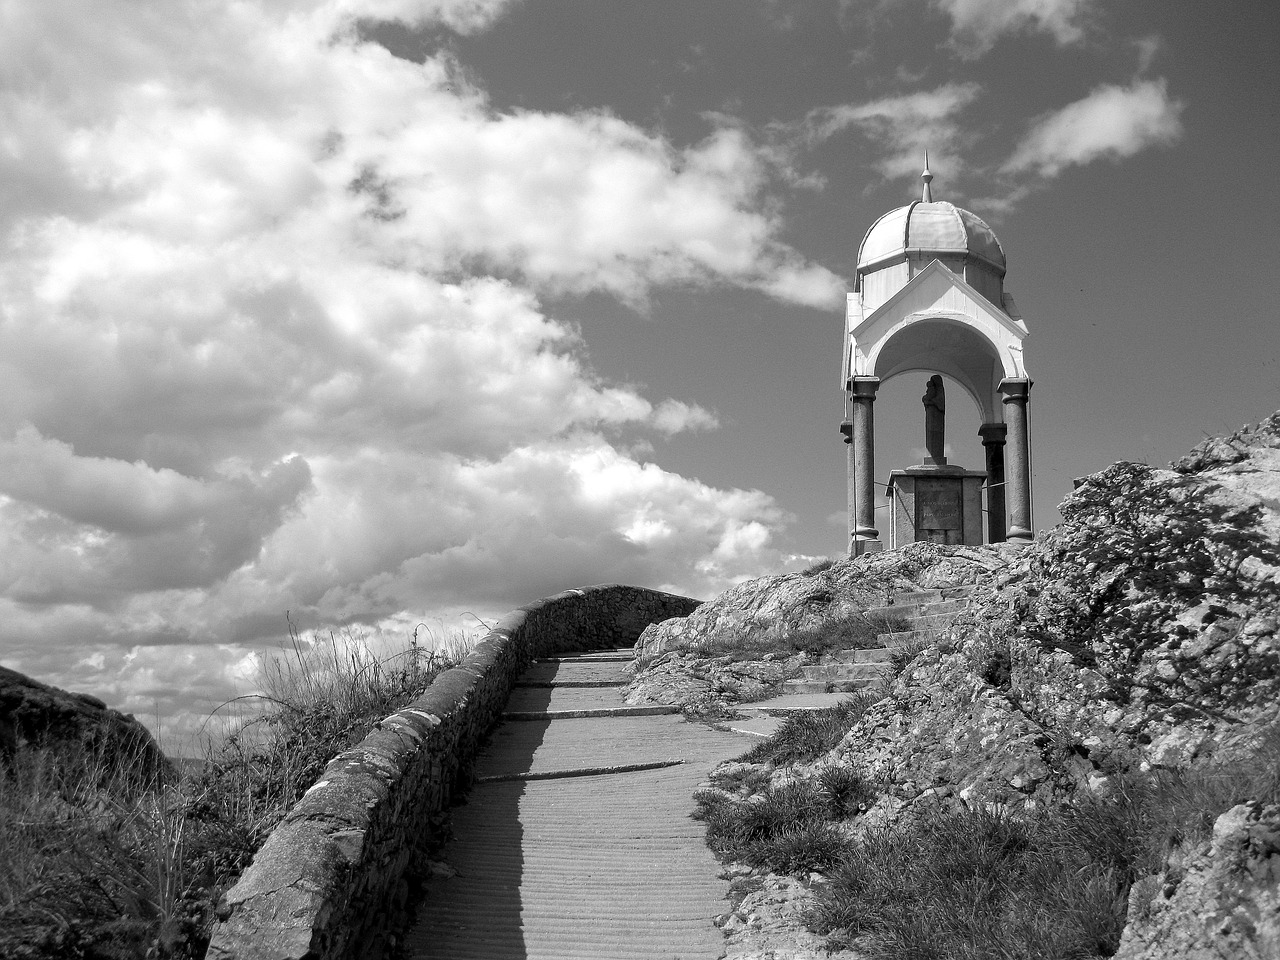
[98,861]
[788,829]
[972,884]
[806,735]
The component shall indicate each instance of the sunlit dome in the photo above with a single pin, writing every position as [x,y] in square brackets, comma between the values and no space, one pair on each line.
[906,240]
[935,229]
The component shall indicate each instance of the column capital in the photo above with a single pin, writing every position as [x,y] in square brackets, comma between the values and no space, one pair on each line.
[993,433]
[864,388]
[1014,389]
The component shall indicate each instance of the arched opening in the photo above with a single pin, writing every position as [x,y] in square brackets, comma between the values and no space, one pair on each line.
[951,347]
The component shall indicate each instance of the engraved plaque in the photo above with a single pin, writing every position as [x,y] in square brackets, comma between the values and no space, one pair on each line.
[938,504]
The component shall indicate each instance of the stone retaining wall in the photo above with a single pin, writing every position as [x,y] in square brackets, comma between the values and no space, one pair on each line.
[331,880]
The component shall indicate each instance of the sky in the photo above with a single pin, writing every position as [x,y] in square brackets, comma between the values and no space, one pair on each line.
[365,314]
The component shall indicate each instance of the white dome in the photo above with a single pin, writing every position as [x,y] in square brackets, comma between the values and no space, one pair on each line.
[928,229]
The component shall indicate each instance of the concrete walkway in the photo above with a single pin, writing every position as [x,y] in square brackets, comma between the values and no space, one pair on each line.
[576,841]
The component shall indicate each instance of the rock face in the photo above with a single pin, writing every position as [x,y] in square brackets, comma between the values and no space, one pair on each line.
[1221,903]
[34,713]
[1141,634]
[742,645]
[764,614]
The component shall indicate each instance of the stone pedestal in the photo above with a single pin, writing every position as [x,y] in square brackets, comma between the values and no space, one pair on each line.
[941,504]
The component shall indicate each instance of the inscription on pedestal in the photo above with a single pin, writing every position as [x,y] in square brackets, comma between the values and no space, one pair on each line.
[938,504]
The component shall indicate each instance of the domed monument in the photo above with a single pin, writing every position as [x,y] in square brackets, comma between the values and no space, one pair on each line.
[929,296]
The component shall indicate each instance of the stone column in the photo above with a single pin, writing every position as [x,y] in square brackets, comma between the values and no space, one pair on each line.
[864,537]
[846,429]
[993,435]
[1015,393]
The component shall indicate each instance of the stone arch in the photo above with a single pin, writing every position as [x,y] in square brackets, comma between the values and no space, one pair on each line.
[950,345]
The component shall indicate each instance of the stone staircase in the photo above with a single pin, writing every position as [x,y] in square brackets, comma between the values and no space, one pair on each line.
[926,611]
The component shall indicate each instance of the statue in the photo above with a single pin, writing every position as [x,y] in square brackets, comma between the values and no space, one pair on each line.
[935,421]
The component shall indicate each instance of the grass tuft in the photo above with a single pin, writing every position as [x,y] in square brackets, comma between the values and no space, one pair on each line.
[806,735]
[787,829]
[819,567]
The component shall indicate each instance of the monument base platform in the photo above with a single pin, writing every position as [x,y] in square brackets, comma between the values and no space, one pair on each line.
[936,503]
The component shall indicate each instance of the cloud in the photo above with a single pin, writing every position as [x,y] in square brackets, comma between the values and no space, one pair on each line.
[274,340]
[976,25]
[1112,122]
[675,416]
[902,127]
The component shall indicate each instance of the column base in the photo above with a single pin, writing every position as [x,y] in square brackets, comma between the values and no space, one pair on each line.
[859,547]
[1020,537]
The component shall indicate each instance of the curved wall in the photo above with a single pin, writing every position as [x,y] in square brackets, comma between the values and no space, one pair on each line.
[331,880]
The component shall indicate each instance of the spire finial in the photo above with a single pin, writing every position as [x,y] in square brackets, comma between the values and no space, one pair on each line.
[927,177]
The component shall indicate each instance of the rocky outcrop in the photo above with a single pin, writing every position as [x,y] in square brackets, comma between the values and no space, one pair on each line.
[744,644]
[769,613]
[1141,632]
[1222,902]
[36,714]
[1138,638]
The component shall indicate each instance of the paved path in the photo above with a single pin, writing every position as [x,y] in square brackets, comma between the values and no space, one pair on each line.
[553,864]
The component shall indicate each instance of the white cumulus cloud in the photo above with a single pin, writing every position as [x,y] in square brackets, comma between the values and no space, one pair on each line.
[1112,122]
[274,339]
[902,127]
[976,25]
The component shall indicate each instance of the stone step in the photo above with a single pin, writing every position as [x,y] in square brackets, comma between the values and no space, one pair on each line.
[918,609]
[935,622]
[935,594]
[868,655]
[789,703]
[648,710]
[908,637]
[828,686]
[844,671]
[916,596]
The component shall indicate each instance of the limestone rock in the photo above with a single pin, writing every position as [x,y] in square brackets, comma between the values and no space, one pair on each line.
[34,713]
[1142,632]
[764,614]
[1221,903]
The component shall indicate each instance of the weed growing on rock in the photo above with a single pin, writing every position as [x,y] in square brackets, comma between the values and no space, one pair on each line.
[818,567]
[900,657]
[807,734]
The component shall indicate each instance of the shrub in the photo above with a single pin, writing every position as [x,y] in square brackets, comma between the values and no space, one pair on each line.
[818,567]
[806,735]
